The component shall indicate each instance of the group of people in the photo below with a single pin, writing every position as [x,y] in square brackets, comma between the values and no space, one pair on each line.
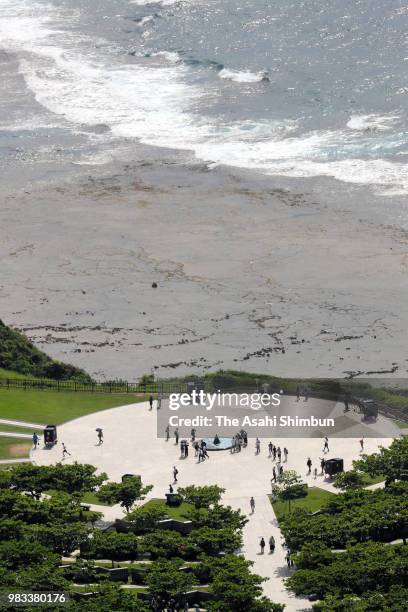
[276,452]
[158,401]
[201,451]
[272,545]
[239,441]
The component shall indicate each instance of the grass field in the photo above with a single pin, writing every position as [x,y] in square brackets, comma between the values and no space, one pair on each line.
[14,448]
[56,407]
[316,498]
[401,424]
[89,497]
[370,480]
[13,375]
[176,513]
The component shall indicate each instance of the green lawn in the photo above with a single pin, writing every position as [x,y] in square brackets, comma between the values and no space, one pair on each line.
[89,497]
[401,424]
[56,407]
[176,513]
[370,480]
[13,375]
[316,498]
[14,448]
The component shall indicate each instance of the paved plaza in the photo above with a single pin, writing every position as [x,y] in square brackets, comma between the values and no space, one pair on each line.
[131,446]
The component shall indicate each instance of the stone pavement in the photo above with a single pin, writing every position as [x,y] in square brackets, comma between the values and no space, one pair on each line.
[131,446]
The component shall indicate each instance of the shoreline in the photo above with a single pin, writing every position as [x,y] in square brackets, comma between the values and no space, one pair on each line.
[306,282]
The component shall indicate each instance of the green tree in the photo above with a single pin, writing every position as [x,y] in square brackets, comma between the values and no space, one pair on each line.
[289,487]
[201,497]
[125,493]
[61,537]
[166,544]
[111,545]
[75,477]
[349,480]
[212,541]
[235,587]
[145,518]
[165,579]
[27,477]
[391,461]
[111,598]
[217,515]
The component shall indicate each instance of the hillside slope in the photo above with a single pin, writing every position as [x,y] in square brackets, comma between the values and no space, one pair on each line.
[20,355]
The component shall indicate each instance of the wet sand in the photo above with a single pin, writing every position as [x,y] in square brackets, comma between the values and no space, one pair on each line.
[287,277]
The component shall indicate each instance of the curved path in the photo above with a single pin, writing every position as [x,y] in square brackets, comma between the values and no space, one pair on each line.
[131,446]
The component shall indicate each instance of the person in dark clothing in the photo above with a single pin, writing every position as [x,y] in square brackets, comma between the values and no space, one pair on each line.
[309,465]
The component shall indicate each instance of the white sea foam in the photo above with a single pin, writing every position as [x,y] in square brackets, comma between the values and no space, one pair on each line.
[372,122]
[162,2]
[170,56]
[155,104]
[242,76]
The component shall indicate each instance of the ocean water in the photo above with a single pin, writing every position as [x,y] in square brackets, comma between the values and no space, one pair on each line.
[286,87]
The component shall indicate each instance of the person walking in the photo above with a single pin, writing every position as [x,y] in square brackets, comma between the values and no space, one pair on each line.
[176,435]
[35,440]
[361,444]
[167,430]
[186,449]
[252,504]
[159,400]
[171,490]
[279,453]
[257,446]
[262,545]
[274,474]
[315,473]
[204,449]
[175,473]
[182,448]
[322,464]
[280,470]
[193,434]
[326,445]
[297,394]
[65,451]
[285,453]
[100,436]
[274,452]
[288,559]
[196,448]
[151,401]
[271,545]
[270,449]
[309,465]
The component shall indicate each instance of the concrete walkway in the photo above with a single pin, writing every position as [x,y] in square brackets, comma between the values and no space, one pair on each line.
[21,424]
[12,434]
[131,446]
[10,461]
